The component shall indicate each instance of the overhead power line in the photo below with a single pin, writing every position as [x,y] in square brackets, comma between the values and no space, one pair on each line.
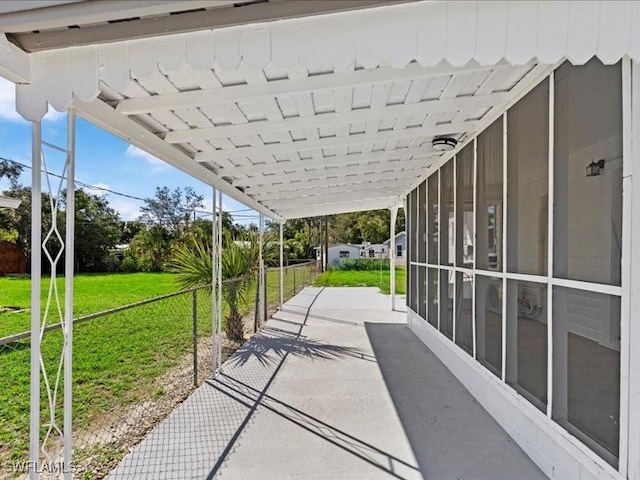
[131,197]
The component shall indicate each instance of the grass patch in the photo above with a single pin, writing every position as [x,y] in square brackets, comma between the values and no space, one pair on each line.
[117,358]
[93,293]
[354,278]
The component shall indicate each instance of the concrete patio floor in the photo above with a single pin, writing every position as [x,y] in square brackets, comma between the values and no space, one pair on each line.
[335,387]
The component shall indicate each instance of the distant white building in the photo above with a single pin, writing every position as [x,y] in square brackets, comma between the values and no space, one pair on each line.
[8,202]
[400,247]
[374,250]
[338,253]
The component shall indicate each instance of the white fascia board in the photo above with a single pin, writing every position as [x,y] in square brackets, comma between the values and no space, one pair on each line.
[63,14]
[417,33]
[336,209]
[15,64]
[102,115]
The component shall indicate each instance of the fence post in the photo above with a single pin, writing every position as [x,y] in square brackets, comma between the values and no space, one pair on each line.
[256,309]
[294,280]
[264,289]
[304,275]
[194,312]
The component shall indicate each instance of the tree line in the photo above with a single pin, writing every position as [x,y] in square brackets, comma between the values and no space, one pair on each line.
[168,222]
[103,241]
[303,234]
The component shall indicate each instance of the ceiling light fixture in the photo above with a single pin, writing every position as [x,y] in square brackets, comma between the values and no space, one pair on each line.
[444,144]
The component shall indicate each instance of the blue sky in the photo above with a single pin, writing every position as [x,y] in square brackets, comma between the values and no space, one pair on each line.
[102,160]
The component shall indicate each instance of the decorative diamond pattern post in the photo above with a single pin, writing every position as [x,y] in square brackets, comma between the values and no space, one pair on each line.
[51,454]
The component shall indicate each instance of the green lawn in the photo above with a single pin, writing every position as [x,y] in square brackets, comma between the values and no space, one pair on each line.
[353,278]
[93,293]
[117,358]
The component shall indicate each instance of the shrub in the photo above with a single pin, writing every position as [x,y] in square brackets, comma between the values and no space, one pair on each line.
[365,264]
[128,265]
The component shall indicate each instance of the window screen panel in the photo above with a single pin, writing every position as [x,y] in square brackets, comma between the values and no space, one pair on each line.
[433,296]
[422,292]
[588,205]
[464,311]
[422,222]
[464,207]
[433,218]
[488,300]
[586,337]
[527,340]
[489,197]
[447,219]
[528,182]
[446,306]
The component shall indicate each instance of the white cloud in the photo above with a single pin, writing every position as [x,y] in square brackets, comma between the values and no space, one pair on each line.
[8,104]
[157,164]
[128,209]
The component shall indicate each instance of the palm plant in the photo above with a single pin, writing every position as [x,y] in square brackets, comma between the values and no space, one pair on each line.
[240,262]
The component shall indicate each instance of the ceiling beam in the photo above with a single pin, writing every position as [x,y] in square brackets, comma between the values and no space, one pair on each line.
[328,142]
[335,118]
[392,168]
[372,194]
[225,16]
[103,116]
[357,187]
[329,81]
[334,161]
[337,208]
[328,178]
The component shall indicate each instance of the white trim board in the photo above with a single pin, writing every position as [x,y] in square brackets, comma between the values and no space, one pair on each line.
[558,453]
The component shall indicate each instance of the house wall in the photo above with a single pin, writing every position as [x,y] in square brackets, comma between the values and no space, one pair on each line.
[336,260]
[520,292]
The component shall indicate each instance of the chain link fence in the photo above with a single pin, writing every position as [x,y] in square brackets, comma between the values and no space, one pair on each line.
[132,366]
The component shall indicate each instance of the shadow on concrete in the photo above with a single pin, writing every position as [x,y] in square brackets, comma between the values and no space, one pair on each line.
[314,316]
[275,344]
[247,395]
[450,434]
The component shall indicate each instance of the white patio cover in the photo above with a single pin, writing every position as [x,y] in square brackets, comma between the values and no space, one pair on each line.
[323,114]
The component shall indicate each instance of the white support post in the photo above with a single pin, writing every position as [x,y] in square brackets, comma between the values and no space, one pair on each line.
[455,246]
[215,334]
[439,292]
[504,246]
[69,264]
[219,278]
[475,247]
[261,318]
[628,130]
[392,257]
[406,251]
[281,264]
[36,267]
[632,286]
[550,346]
